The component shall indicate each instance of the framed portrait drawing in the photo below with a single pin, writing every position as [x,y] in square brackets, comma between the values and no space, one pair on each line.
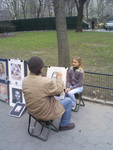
[4,92]
[16,94]
[16,71]
[17,110]
[52,72]
[3,69]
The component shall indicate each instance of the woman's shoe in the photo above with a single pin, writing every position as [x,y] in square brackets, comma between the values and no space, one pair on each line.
[74,107]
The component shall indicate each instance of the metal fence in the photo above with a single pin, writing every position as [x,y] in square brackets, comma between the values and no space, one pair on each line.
[98,86]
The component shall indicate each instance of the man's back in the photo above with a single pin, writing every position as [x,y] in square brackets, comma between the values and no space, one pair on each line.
[39,95]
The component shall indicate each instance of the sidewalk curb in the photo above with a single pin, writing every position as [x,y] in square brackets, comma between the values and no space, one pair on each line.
[109,103]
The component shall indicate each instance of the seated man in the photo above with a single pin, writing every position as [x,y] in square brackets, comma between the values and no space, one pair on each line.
[39,95]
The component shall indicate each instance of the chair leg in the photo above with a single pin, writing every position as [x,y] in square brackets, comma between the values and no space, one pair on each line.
[50,127]
[81,103]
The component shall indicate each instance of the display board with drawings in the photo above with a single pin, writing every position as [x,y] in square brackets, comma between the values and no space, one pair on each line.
[52,72]
[16,71]
[4,86]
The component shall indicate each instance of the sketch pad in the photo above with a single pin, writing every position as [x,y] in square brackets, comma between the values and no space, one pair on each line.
[52,72]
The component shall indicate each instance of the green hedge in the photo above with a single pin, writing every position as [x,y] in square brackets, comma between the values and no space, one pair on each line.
[42,24]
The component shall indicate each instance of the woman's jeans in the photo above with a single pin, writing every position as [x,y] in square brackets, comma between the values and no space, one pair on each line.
[72,93]
[65,119]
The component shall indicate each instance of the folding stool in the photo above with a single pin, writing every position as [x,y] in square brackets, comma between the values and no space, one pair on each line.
[80,103]
[47,124]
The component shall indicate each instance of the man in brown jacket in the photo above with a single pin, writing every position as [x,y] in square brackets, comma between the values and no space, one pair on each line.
[39,95]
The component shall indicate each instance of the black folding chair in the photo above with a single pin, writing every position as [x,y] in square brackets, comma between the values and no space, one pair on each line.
[47,124]
[80,102]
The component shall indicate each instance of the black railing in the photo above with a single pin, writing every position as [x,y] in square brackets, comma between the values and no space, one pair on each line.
[98,85]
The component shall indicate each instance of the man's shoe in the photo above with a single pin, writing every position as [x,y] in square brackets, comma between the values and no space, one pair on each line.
[69,127]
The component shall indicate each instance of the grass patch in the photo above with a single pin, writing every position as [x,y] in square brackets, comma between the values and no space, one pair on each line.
[95,48]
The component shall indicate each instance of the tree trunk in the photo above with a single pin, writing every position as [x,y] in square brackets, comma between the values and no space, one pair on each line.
[62,37]
[87,5]
[80,15]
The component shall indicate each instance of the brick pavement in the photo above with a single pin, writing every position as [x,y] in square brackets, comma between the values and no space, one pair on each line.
[93,131]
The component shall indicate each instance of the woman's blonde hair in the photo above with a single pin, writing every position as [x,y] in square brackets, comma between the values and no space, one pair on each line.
[79,61]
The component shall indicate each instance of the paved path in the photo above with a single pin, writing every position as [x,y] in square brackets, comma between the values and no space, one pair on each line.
[93,131]
[100,30]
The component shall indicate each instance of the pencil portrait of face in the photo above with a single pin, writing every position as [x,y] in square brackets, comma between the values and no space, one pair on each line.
[53,76]
[16,95]
[16,71]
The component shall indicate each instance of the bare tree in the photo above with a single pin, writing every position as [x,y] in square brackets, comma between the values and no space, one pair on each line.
[91,9]
[35,7]
[62,37]
[70,7]
[87,10]
[38,7]
[12,7]
[101,10]
[4,14]
[24,8]
[49,7]
[18,9]
[80,6]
